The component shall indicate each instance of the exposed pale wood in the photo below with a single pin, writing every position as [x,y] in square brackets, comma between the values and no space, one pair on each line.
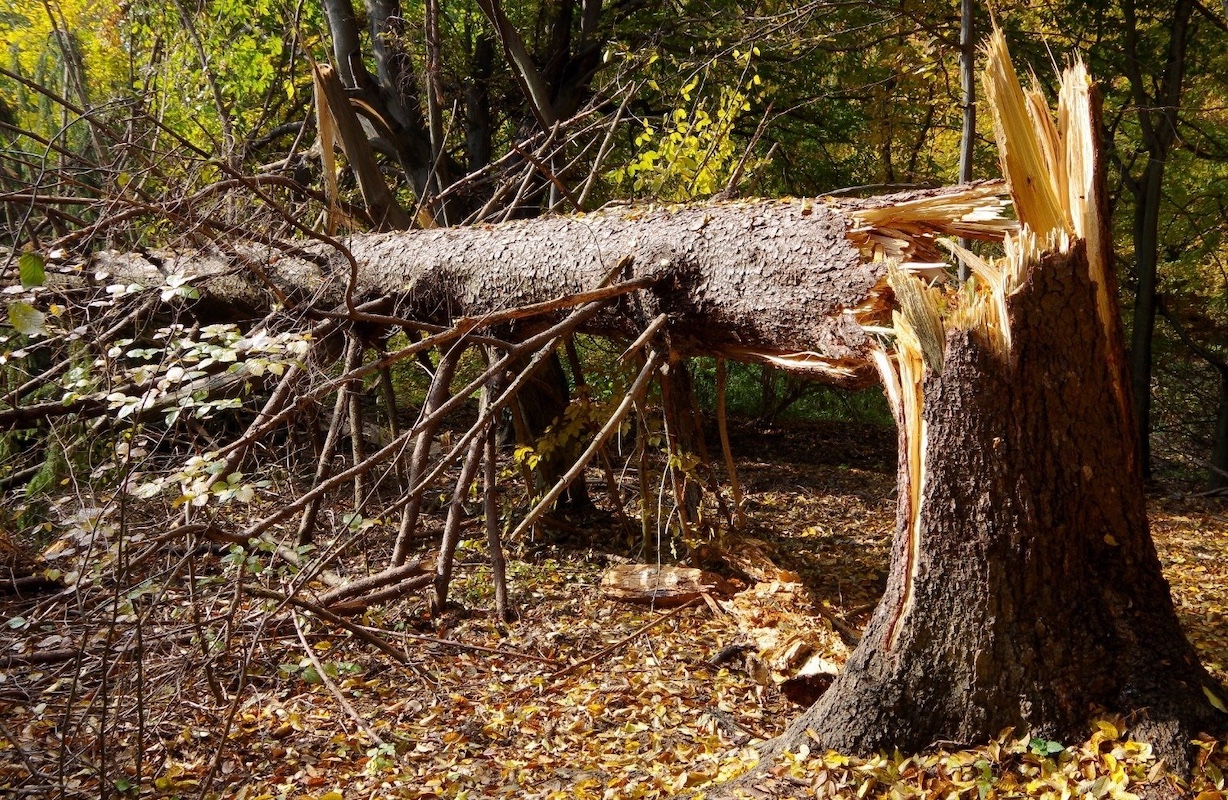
[660,585]
[800,649]
[381,202]
[1020,150]
[1018,497]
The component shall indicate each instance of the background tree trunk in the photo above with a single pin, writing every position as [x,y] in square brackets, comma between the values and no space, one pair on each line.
[541,404]
[1157,115]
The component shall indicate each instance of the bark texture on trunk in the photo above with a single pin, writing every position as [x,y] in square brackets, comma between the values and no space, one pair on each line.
[792,281]
[1030,593]
[1024,590]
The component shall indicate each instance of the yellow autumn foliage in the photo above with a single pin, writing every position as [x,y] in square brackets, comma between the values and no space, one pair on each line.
[36,34]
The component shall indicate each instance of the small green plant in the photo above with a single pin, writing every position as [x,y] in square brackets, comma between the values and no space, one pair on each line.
[1044,747]
[239,559]
[380,758]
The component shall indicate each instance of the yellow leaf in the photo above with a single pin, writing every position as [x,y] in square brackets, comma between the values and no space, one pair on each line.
[334,795]
[1214,700]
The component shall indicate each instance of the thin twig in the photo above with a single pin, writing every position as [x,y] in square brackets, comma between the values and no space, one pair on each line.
[332,687]
[600,654]
[550,176]
[476,648]
[21,752]
[323,613]
[653,328]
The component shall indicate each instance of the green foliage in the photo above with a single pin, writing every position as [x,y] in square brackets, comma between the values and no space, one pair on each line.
[846,94]
[55,45]
[756,390]
[54,466]
[1044,747]
[580,419]
[240,49]
[25,319]
[30,268]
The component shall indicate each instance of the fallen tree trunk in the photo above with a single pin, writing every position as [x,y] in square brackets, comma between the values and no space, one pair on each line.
[790,282]
[1024,589]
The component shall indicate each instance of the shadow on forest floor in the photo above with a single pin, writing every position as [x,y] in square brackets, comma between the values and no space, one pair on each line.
[824,495]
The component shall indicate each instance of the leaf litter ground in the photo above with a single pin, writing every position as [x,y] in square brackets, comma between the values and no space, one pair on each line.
[567,702]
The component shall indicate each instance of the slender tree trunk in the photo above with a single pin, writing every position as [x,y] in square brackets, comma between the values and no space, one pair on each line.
[479,122]
[490,510]
[1218,477]
[1146,257]
[967,71]
[398,93]
[683,437]
[347,42]
[1158,121]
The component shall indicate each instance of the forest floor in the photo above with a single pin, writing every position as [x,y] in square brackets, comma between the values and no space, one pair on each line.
[299,709]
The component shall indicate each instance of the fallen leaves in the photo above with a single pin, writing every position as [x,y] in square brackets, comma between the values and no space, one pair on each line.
[493,710]
[1107,765]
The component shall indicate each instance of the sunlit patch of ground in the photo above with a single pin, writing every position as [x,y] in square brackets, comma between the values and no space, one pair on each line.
[1191,535]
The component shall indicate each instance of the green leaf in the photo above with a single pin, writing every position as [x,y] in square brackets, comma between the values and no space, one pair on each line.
[16,622]
[26,319]
[31,269]
[1044,747]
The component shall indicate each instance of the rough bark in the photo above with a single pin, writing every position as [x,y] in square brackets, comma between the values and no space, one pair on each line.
[1024,590]
[790,281]
[1036,595]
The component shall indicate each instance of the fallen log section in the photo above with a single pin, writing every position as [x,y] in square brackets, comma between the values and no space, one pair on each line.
[800,283]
